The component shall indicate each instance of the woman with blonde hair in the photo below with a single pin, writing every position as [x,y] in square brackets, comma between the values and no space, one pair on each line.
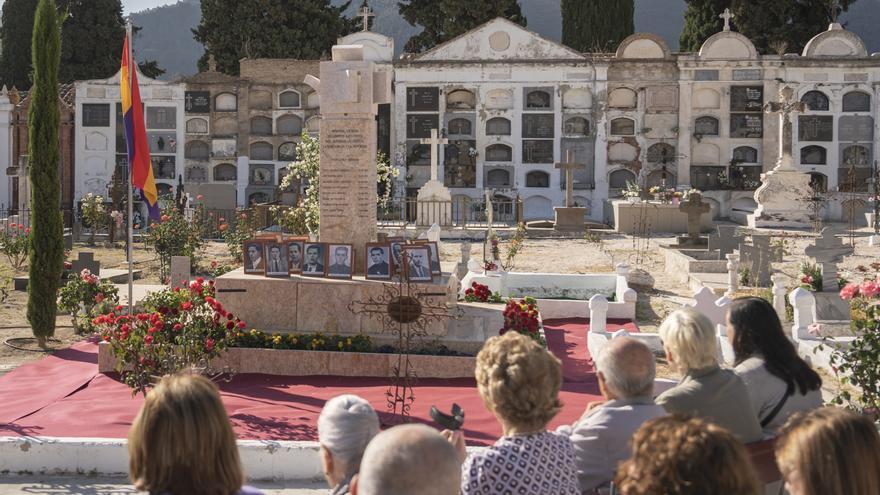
[706,390]
[677,455]
[519,383]
[345,427]
[181,442]
[829,451]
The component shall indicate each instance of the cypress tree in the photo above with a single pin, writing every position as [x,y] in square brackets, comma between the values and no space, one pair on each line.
[15,35]
[442,20]
[597,25]
[701,21]
[780,26]
[302,29]
[46,245]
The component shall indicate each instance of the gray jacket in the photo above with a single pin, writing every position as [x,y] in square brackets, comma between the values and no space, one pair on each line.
[767,390]
[602,439]
[716,395]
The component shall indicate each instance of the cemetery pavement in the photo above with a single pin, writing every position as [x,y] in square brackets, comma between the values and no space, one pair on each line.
[85,485]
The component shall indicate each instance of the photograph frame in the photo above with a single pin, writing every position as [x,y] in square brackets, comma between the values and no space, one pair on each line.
[330,256]
[282,247]
[300,241]
[396,269]
[261,270]
[435,254]
[386,259]
[428,277]
[323,259]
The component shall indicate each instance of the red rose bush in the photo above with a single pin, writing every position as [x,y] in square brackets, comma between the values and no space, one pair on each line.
[184,327]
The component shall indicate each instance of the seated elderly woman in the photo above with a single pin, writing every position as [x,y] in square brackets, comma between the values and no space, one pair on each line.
[345,427]
[686,456]
[829,450]
[519,382]
[181,442]
[779,382]
[706,390]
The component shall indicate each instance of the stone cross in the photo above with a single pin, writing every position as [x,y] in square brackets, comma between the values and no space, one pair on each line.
[490,215]
[86,259]
[569,166]
[725,241]
[694,208]
[827,251]
[180,270]
[435,141]
[758,255]
[727,16]
[365,14]
[786,106]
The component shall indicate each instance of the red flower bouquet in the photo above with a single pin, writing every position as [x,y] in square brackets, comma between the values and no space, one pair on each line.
[522,316]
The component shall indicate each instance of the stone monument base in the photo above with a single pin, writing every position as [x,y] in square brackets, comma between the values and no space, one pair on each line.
[688,242]
[569,218]
[434,205]
[781,200]
[829,306]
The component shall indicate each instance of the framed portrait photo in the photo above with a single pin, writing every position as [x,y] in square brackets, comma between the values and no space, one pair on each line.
[435,255]
[340,257]
[254,261]
[418,265]
[378,260]
[275,254]
[295,254]
[315,259]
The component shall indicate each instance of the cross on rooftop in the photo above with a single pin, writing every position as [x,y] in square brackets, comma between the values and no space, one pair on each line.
[365,14]
[569,165]
[727,16]
[434,141]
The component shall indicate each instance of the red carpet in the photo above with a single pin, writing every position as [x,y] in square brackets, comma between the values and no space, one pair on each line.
[63,395]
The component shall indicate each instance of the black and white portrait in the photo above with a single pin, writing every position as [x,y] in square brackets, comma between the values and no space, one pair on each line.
[313,265]
[396,254]
[253,257]
[435,256]
[295,256]
[378,261]
[276,259]
[340,260]
[418,265]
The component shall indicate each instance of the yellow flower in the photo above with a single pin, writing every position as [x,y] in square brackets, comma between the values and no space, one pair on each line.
[276,340]
[253,331]
[348,341]
[340,345]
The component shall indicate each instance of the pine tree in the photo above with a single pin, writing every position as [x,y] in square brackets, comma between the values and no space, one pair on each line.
[701,21]
[597,25]
[46,245]
[92,34]
[301,29]
[781,26]
[443,20]
[15,35]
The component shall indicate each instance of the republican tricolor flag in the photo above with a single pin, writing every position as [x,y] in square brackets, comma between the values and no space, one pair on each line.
[140,167]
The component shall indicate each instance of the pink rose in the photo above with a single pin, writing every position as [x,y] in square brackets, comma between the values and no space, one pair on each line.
[200,197]
[209,344]
[869,288]
[99,297]
[849,291]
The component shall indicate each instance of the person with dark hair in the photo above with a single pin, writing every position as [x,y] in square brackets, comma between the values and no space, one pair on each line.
[779,382]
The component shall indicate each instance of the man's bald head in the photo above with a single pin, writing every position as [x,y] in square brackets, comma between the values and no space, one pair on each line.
[627,365]
[409,460]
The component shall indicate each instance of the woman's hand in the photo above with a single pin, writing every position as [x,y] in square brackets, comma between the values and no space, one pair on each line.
[456,438]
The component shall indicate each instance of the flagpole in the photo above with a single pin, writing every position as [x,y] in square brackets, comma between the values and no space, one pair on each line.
[131,67]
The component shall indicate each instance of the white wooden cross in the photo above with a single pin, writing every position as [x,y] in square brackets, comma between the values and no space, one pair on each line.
[365,13]
[727,16]
[435,141]
[827,251]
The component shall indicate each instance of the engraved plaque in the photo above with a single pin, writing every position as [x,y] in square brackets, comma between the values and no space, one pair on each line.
[815,128]
[423,99]
[746,98]
[419,126]
[538,125]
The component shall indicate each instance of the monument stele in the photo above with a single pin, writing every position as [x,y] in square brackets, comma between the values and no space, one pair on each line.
[781,195]
[350,90]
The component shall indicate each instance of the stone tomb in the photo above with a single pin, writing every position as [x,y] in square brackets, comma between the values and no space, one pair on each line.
[827,251]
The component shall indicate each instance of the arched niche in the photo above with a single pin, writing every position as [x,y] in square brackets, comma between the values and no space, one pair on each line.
[814,155]
[498,126]
[728,45]
[538,99]
[197,125]
[623,126]
[655,178]
[745,154]
[313,124]
[461,99]
[661,153]
[856,101]
[818,182]
[622,98]
[577,98]
[225,102]
[537,178]
[622,152]
[460,127]
[261,151]
[225,172]
[289,125]
[287,151]
[96,141]
[707,98]
[835,42]
[197,150]
[855,155]
[617,179]
[225,126]
[576,127]
[289,99]
[706,126]
[499,153]
[643,46]
[498,177]
[816,101]
[261,126]
[536,207]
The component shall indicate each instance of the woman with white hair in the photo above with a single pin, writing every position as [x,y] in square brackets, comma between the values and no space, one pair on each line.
[345,427]
[706,390]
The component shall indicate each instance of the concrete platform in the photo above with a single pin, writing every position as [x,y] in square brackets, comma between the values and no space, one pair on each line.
[115,275]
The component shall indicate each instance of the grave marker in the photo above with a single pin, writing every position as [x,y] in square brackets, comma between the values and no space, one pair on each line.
[827,251]
[86,259]
[725,241]
[694,208]
[758,256]
[180,270]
